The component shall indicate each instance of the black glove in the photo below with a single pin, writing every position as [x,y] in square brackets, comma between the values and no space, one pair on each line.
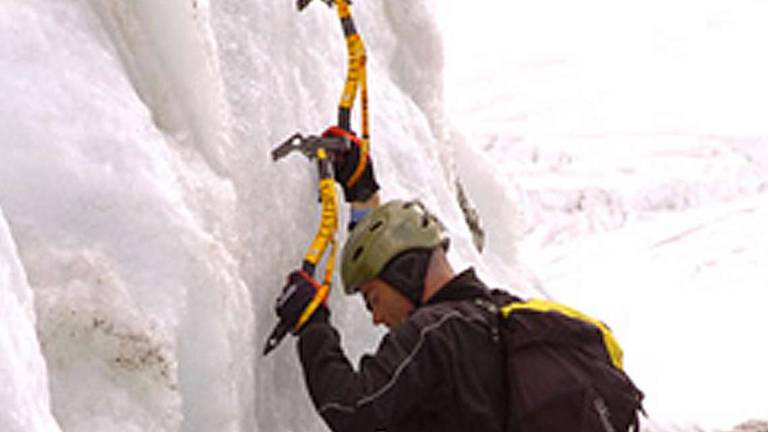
[345,164]
[299,290]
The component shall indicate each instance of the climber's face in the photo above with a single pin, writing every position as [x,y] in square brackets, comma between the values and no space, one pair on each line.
[387,305]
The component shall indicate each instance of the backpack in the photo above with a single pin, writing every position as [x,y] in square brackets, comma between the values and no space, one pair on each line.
[564,371]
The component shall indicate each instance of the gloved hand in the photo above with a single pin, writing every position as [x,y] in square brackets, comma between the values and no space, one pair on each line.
[345,164]
[298,292]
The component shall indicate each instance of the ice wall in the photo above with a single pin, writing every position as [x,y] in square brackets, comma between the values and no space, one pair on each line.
[24,391]
[141,310]
[152,224]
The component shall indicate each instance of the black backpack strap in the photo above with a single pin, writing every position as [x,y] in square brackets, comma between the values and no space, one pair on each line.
[501,337]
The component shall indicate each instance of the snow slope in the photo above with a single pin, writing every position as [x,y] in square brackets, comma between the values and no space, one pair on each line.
[634,136]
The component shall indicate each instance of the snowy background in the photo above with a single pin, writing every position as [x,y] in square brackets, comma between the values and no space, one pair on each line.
[617,155]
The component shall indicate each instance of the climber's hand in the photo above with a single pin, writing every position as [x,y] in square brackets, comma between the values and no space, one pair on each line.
[299,291]
[358,181]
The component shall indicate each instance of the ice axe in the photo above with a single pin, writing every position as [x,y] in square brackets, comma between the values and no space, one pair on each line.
[320,148]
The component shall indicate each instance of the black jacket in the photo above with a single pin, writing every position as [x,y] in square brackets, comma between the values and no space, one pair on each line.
[440,370]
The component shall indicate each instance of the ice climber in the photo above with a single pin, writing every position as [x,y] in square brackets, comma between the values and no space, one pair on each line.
[441,366]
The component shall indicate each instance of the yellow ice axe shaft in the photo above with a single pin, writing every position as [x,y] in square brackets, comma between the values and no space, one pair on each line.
[326,235]
[356,80]
[326,232]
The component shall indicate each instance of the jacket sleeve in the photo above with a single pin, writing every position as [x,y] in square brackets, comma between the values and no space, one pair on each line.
[405,370]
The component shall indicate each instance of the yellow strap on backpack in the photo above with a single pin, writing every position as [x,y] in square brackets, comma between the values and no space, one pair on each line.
[540,305]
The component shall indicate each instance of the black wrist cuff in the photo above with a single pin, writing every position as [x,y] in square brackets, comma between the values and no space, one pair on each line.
[321,316]
[361,191]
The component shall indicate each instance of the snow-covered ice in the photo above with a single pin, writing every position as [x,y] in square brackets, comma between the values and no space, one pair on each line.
[23,375]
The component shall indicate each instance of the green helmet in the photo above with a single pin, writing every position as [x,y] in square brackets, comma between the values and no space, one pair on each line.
[384,233]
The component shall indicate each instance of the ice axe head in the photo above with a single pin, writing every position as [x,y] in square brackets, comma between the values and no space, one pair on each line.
[301,4]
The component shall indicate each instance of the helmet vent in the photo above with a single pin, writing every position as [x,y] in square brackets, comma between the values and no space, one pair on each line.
[376,226]
[358,252]
[425,221]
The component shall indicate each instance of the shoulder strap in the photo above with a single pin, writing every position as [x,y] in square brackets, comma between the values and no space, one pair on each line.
[502,338]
